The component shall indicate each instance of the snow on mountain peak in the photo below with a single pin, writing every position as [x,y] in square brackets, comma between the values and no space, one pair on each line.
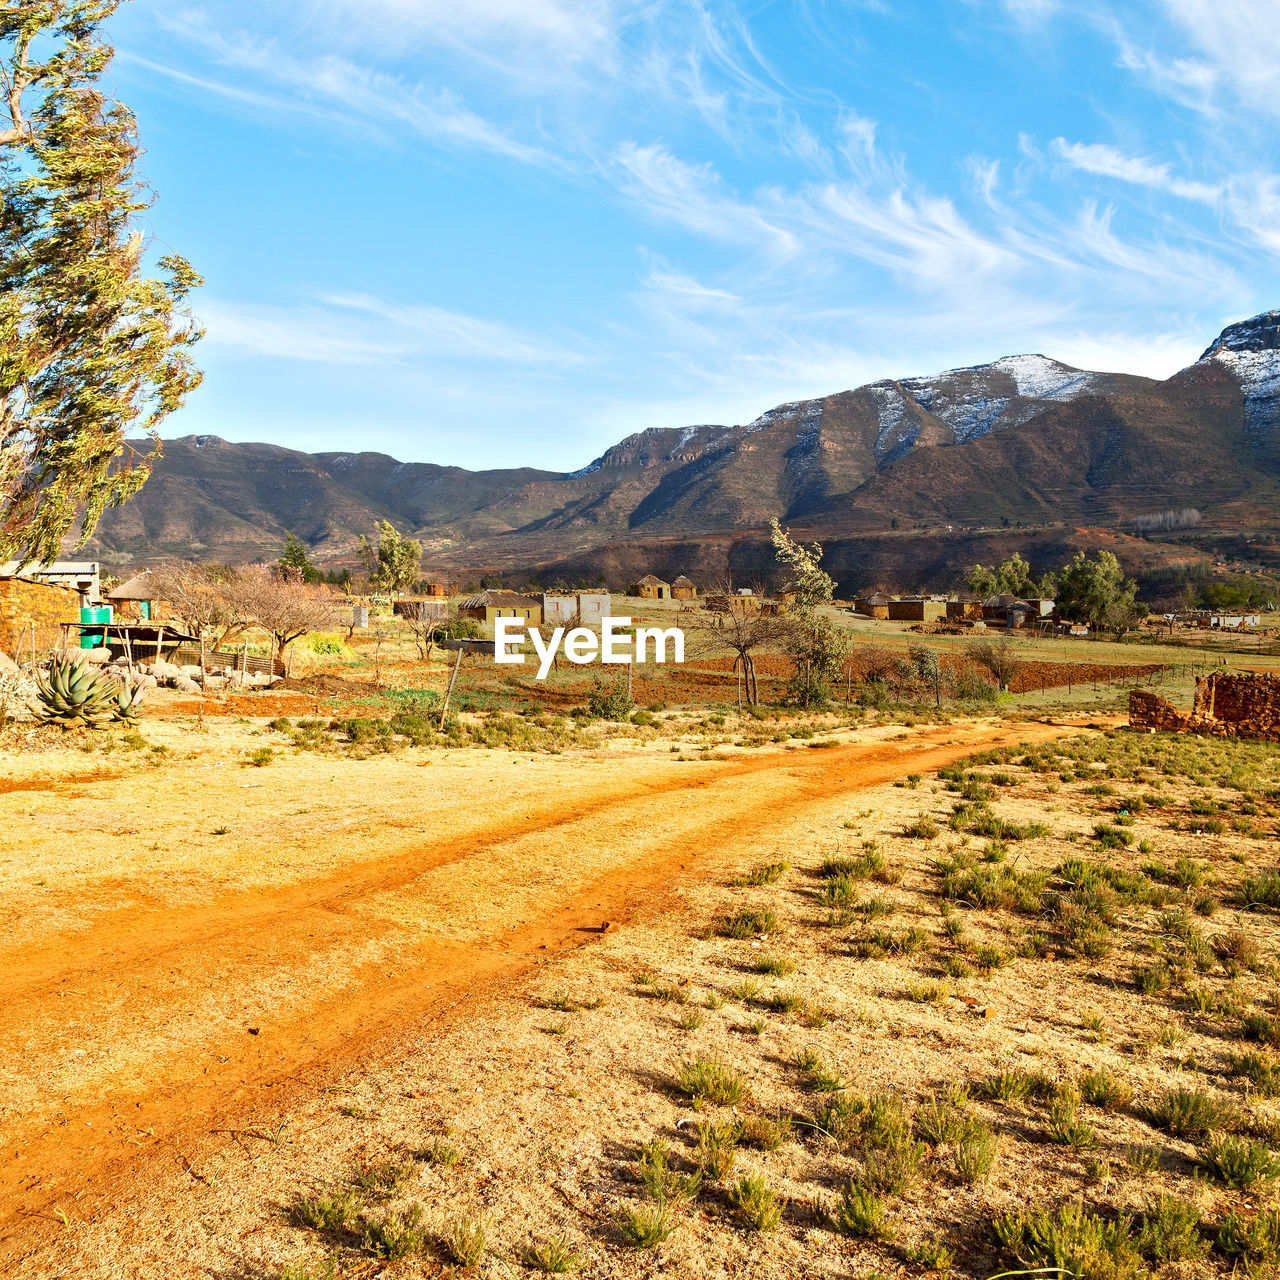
[1251,351]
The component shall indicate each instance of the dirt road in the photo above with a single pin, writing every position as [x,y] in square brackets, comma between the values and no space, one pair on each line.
[182,955]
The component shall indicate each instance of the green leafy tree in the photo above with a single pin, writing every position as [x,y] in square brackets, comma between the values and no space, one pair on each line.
[817,647]
[1095,590]
[91,345]
[1013,577]
[294,558]
[395,563]
[813,585]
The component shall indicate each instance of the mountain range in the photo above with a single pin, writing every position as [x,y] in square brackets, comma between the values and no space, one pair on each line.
[1023,440]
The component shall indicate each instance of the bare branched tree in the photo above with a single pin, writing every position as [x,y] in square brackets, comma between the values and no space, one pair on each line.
[196,593]
[280,602]
[999,657]
[742,632]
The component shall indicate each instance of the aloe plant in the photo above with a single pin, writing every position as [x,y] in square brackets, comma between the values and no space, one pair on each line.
[74,695]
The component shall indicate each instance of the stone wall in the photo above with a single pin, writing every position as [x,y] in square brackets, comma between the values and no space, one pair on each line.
[23,602]
[1241,705]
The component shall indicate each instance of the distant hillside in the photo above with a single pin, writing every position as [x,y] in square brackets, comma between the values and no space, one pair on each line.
[1024,439]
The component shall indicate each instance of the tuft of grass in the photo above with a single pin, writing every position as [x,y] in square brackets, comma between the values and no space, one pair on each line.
[763,1133]
[751,922]
[892,1168]
[326,1211]
[1255,1241]
[465,1239]
[386,1176]
[758,1206]
[1070,1241]
[1260,1069]
[763,873]
[645,1226]
[859,1212]
[663,1183]
[1010,1085]
[774,966]
[1066,1127]
[395,1235]
[709,1077]
[1100,1088]
[441,1153]
[931,1254]
[1239,1163]
[1170,1231]
[974,1152]
[553,1255]
[717,1148]
[1263,1029]
[1262,890]
[1191,1113]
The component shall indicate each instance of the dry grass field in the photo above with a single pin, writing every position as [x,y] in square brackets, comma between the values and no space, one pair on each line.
[887,993]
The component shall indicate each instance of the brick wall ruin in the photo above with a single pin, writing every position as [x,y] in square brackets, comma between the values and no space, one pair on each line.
[1241,705]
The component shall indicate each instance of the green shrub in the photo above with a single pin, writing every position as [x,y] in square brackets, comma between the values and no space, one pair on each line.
[859,1212]
[1239,1163]
[1073,1240]
[757,1205]
[1170,1231]
[396,1235]
[708,1076]
[750,922]
[645,1226]
[717,1148]
[553,1255]
[1100,1088]
[1191,1113]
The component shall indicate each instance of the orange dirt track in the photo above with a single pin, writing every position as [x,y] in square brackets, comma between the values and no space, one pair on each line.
[133,1034]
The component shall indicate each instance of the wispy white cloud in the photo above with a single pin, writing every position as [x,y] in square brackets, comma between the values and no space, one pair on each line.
[693,196]
[351,96]
[1229,56]
[1110,162]
[359,329]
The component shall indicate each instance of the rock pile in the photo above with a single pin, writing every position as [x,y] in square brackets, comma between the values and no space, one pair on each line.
[162,674]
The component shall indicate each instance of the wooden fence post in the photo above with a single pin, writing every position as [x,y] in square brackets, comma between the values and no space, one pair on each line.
[448,693]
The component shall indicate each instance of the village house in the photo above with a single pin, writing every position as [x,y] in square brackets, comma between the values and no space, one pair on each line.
[135,598]
[651,588]
[82,576]
[580,608]
[917,609]
[875,605]
[1010,611]
[485,606]
[683,589]
[964,605]
[420,608]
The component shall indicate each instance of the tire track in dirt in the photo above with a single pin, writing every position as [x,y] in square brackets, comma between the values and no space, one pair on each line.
[221,1081]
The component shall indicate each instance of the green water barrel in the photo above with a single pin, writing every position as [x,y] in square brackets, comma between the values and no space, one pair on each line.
[90,639]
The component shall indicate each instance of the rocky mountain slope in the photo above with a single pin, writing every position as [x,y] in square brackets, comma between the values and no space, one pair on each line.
[1024,438]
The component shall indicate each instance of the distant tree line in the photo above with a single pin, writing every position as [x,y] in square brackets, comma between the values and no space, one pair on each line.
[1166,521]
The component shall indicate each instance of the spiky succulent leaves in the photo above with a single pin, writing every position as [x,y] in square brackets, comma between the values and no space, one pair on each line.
[74,695]
[128,703]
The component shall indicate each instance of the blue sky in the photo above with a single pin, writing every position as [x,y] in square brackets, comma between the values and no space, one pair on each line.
[509,232]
